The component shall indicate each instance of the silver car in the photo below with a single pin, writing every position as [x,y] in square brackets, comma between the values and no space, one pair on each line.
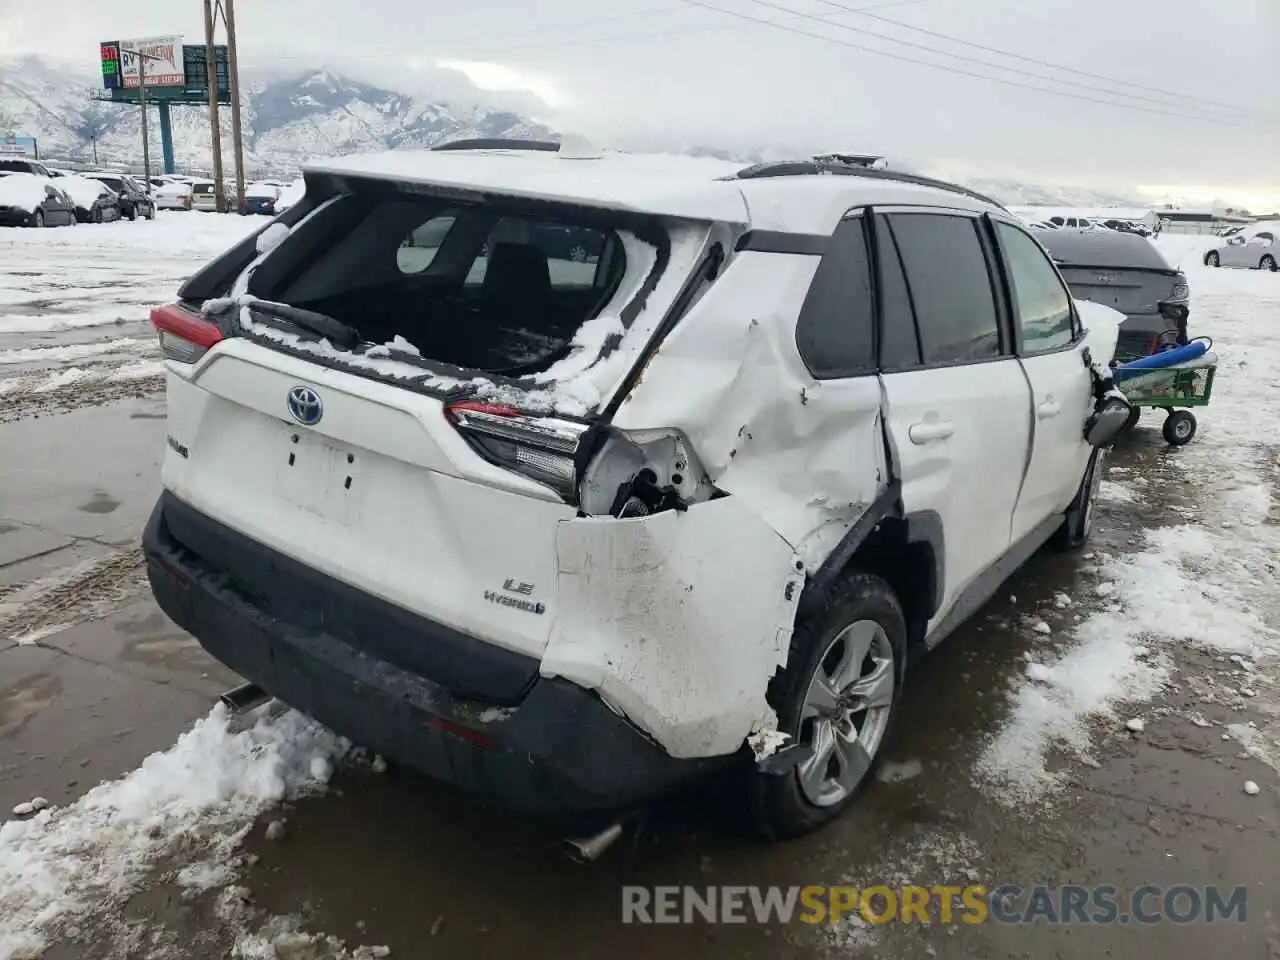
[1126,272]
[1253,248]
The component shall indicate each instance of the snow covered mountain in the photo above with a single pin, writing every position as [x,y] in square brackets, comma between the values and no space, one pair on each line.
[322,112]
[286,119]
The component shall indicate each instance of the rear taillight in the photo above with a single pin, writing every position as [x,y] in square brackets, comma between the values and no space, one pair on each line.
[540,448]
[184,336]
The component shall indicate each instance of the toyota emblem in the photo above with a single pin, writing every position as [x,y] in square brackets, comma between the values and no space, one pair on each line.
[305,406]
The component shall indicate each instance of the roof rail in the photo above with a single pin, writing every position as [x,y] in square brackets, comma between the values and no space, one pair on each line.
[824,165]
[499,143]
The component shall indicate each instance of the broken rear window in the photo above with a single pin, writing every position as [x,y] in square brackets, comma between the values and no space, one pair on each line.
[473,286]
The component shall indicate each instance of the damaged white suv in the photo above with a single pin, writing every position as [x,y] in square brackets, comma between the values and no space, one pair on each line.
[568,478]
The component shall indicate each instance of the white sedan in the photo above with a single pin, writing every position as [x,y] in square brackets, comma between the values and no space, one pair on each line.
[1252,249]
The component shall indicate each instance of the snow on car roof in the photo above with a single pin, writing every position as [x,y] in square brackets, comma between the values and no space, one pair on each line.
[699,188]
[23,190]
[662,184]
[82,190]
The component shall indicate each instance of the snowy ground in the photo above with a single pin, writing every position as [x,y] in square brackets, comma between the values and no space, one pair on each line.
[74,305]
[1014,761]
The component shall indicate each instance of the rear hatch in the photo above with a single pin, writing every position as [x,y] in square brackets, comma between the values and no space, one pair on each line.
[390,385]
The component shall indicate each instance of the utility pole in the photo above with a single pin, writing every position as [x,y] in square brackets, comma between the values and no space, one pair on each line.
[233,69]
[146,141]
[95,149]
[142,100]
[216,130]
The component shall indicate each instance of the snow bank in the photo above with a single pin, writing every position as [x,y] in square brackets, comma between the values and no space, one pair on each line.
[23,190]
[200,796]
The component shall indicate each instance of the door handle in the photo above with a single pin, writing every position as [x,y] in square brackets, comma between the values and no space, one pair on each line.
[1049,407]
[928,431]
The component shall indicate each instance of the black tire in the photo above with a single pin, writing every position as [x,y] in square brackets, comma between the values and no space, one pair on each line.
[97,215]
[133,214]
[1179,428]
[39,219]
[1135,414]
[1077,526]
[1268,262]
[1211,258]
[778,806]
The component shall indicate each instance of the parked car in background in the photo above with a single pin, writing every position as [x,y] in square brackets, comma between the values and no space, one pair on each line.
[1127,273]
[134,202]
[1128,226]
[95,202]
[204,195]
[174,195]
[22,165]
[1253,248]
[1073,223]
[261,198]
[28,200]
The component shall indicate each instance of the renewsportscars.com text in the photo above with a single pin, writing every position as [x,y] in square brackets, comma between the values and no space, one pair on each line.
[975,903]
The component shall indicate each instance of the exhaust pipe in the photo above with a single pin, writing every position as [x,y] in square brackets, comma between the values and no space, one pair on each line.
[244,698]
[589,849]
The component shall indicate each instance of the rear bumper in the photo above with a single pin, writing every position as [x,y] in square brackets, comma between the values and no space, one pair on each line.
[15,218]
[558,753]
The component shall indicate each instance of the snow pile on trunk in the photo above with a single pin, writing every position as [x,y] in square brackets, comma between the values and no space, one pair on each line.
[23,190]
[199,797]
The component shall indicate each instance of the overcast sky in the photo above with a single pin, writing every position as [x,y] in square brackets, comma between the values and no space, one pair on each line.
[675,70]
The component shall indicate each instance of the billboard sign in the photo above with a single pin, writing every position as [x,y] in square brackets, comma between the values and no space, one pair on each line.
[18,144]
[161,58]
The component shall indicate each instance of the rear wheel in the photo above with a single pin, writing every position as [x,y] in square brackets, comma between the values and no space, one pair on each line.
[97,215]
[1267,263]
[133,213]
[1135,414]
[39,218]
[1078,525]
[1179,428]
[838,696]
[1211,258]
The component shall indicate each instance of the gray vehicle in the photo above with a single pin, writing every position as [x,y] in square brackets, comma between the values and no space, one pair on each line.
[1126,272]
[1251,248]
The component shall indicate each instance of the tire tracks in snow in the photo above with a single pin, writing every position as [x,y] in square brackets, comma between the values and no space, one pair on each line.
[31,399]
[74,595]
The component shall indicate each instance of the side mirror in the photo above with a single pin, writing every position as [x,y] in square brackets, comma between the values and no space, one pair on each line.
[1106,421]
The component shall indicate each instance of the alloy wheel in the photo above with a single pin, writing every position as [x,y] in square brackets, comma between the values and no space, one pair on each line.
[846,712]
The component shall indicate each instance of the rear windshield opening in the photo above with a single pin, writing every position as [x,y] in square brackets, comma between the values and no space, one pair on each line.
[471,286]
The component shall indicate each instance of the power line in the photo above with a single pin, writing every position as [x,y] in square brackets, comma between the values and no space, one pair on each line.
[975,60]
[572,41]
[1026,59]
[947,69]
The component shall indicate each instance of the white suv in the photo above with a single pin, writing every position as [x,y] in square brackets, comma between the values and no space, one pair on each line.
[568,478]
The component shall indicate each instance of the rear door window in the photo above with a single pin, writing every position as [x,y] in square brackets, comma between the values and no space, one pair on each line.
[1041,304]
[835,333]
[950,284]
